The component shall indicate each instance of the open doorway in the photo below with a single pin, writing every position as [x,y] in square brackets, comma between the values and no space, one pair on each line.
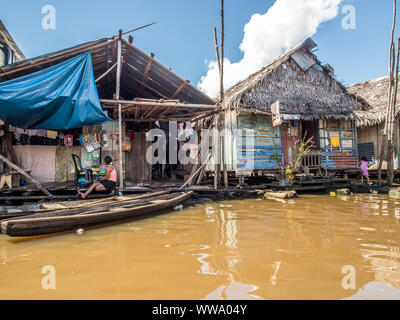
[310,130]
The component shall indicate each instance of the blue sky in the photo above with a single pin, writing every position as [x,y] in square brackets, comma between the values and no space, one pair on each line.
[183,39]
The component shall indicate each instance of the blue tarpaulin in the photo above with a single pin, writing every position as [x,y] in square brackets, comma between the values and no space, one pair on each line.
[63,96]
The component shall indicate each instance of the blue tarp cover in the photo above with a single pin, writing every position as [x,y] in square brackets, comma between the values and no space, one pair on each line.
[63,96]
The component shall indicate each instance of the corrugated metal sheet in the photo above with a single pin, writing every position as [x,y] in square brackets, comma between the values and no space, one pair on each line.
[366,150]
[303,60]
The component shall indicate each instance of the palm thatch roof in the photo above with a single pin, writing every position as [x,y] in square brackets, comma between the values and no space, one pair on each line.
[374,96]
[303,86]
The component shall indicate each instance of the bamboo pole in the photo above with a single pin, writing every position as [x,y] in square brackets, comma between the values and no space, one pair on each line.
[117,92]
[385,133]
[26,175]
[201,153]
[392,128]
[106,73]
[223,96]
[216,118]
[159,104]
[195,173]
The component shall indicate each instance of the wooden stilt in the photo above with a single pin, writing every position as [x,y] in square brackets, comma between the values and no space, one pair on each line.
[117,92]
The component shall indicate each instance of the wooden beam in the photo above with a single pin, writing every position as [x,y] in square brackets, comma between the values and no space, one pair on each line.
[159,104]
[106,73]
[170,109]
[47,59]
[184,84]
[117,93]
[146,74]
[26,175]
[145,85]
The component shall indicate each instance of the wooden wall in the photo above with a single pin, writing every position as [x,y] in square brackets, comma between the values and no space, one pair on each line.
[374,134]
[137,168]
[64,163]
[265,142]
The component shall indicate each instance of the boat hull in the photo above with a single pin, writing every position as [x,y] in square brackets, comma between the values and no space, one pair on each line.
[53,224]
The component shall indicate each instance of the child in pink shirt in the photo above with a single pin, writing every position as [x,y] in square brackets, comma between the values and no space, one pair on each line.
[364,170]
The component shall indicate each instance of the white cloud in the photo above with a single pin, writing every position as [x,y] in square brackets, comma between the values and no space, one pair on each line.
[267,36]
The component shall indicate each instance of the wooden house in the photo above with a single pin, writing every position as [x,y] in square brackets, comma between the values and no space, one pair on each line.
[373,95]
[134,89]
[295,96]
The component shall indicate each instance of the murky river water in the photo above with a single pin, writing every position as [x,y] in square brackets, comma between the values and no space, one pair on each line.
[242,249]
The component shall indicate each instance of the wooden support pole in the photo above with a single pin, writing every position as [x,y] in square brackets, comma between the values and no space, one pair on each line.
[159,104]
[106,73]
[385,138]
[117,93]
[222,145]
[392,132]
[26,175]
[197,171]
[226,185]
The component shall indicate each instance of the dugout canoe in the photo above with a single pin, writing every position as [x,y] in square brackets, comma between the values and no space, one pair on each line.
[65,220]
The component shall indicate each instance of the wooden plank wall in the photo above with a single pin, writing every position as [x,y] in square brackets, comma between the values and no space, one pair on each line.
[64,164]
[266,140]
[137,168]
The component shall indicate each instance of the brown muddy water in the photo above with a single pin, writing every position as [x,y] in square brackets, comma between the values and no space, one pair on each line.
[241,249]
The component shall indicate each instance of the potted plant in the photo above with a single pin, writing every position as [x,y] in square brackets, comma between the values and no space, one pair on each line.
[288,172]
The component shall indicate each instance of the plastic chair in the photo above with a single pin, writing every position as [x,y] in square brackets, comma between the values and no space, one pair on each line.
[79,170]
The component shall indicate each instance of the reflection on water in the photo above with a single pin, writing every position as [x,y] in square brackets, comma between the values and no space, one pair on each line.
[247,249]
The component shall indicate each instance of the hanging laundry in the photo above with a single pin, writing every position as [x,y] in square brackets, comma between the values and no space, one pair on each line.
[41,132]
[105,140]
[68,140]
[52,134]
[188,129]
[181,132]
[335,142]
[90,142]
[31,132]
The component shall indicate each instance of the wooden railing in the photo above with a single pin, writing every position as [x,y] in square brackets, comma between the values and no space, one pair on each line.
[311,160]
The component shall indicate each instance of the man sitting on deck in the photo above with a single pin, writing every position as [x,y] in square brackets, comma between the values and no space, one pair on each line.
[108,183]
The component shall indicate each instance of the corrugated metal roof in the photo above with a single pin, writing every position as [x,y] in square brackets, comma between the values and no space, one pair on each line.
[303,60]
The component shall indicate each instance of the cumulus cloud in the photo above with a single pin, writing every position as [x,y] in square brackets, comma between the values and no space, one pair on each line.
[268,35]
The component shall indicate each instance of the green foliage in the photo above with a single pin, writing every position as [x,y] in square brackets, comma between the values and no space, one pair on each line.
[302,148]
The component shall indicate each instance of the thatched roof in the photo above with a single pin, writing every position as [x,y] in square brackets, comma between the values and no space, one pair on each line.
[303,86]
[374,96]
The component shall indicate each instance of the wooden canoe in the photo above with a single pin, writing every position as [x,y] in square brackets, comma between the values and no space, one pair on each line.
[20,211]
[70,219]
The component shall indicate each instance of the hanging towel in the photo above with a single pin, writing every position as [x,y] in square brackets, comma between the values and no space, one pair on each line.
[52,134]
[335,142]
[68,140]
